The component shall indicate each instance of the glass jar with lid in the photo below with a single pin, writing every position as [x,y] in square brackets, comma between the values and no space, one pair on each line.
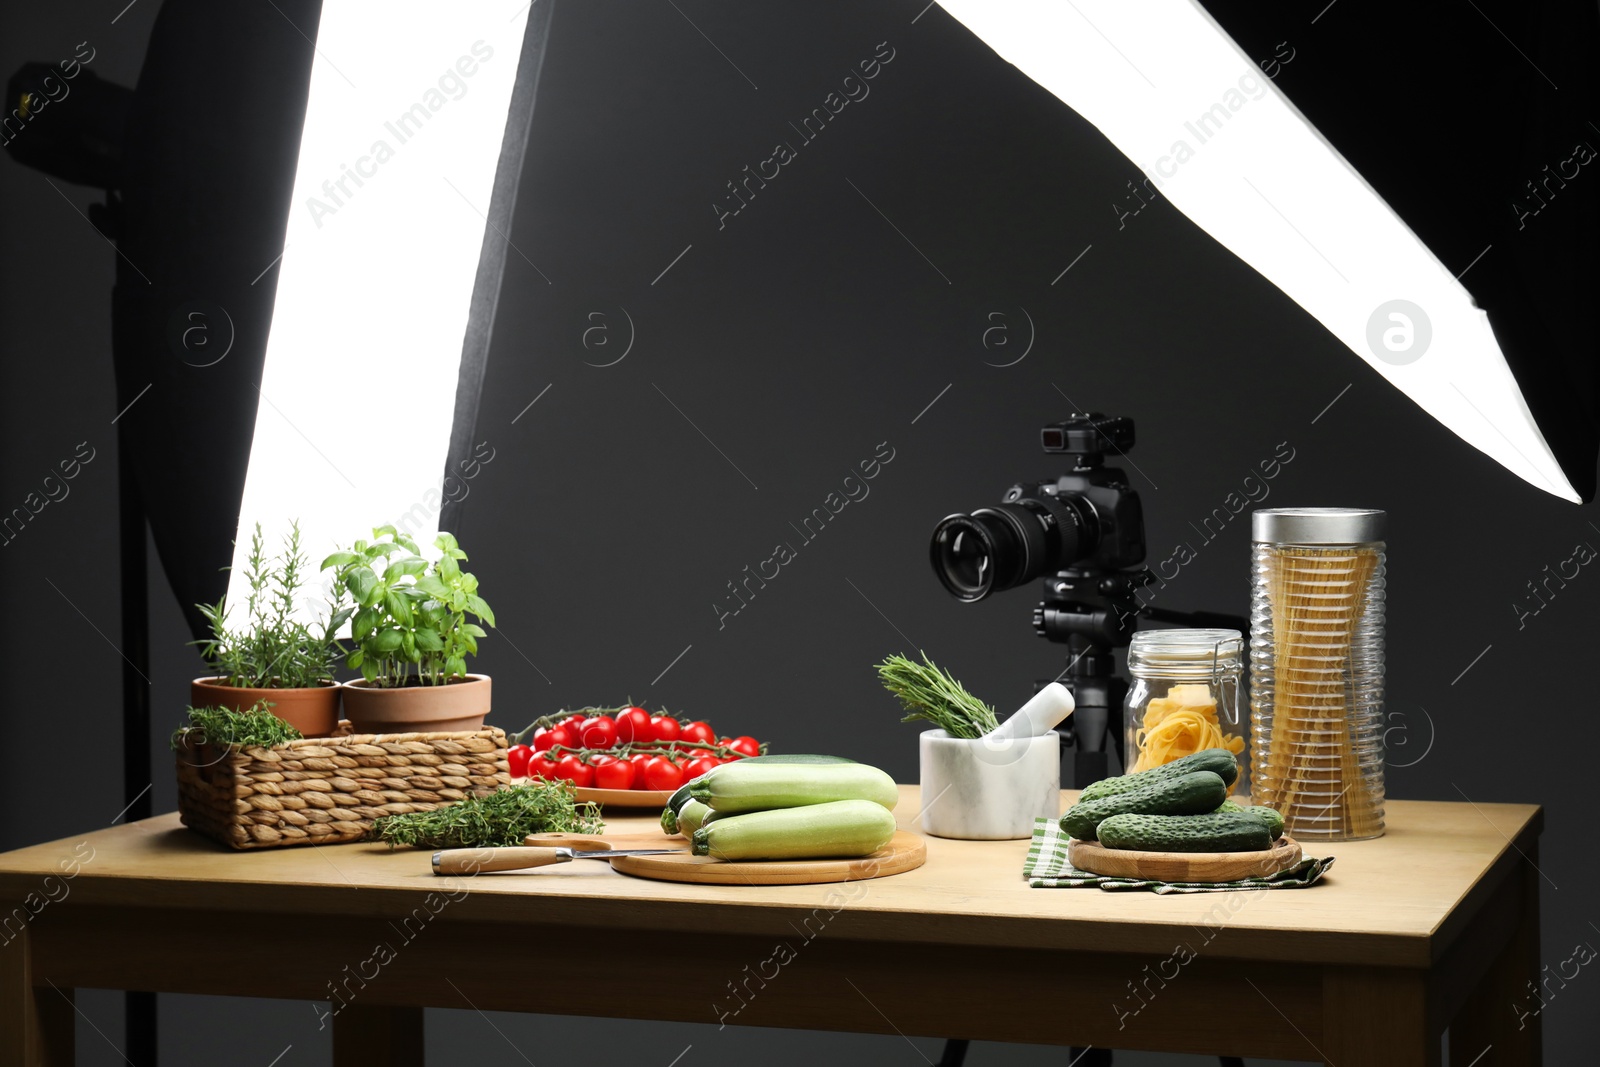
[1185,698]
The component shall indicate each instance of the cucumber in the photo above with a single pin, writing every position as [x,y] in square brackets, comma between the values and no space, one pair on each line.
[1269,816]
[746,786]
[1219,761]
[669,822]
[1222,831]
[1189,794]
[839,828]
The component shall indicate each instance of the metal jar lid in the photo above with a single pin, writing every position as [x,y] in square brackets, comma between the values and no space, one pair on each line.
[1317,526]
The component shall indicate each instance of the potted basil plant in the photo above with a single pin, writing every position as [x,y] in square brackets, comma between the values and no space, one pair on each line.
[274,659]
[414,626]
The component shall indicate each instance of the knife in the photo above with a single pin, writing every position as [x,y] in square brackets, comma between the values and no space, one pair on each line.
[477,860]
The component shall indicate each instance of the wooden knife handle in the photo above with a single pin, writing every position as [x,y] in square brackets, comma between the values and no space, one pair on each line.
[477,860]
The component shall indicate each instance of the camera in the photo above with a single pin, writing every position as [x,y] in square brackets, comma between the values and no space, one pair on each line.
[1083,534]
[1086,519]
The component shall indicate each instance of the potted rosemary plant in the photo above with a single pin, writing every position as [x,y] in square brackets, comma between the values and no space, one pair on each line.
[414,626]
[274,659]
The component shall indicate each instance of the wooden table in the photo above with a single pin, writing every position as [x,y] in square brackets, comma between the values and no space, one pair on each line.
[1434,925]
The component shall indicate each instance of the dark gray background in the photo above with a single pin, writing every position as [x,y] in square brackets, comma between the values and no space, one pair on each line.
[798,338]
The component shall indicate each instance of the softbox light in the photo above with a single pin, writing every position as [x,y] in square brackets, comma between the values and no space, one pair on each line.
[1214,132]
[392,261]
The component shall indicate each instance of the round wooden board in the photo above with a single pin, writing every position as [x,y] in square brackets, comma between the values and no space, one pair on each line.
[904,852]
[625,798]
[1095,858]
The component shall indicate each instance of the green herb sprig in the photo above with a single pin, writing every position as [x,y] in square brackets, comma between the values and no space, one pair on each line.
[226,727]
[495,820]
[411,620]
[931,695]
[273,650]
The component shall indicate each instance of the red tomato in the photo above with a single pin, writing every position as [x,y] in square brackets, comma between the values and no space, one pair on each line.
[543,738]
[664,728]
[615,774]
[565,735]
[661,773]
[543,765]
[575,771]
[601,760]
[517,757]
[700,731]
[700,766]
[633,724]
[637,763]
[599,732]
[746,745]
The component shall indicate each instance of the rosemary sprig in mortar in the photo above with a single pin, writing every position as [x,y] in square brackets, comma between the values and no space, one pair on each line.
[929,694]
[496,820]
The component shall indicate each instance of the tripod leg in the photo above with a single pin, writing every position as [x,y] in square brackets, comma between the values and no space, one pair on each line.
[955,1053]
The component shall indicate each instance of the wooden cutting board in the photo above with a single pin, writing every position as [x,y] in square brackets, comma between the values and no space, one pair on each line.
[1095,858]
[624,798]
[904,852]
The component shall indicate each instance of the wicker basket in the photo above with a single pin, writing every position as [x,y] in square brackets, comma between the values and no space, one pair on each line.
[329,790]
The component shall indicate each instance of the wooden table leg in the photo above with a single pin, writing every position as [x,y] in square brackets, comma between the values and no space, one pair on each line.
[36,1021]
[1504,1011]
[1374,1015]
[377,1036]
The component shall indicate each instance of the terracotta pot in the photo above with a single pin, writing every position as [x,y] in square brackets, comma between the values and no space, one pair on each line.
[314,711]
[460,704]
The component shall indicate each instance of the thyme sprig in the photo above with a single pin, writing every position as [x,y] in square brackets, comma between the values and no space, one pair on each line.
[224,727]
[495,820]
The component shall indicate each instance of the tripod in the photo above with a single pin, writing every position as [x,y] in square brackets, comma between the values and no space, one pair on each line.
[1094,613]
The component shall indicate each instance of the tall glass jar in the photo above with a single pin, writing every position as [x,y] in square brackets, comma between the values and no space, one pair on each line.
[1316,669]
[1185,697]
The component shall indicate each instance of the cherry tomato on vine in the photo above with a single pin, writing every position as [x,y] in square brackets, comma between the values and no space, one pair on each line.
[574,770]
[543,738]
[517,757]
[637,763]
[616,774]
[700,766]
[599,732]
[633,724]
[664,728]
[543,765]
[556,735]
[746,745]
[661,773]
[700,731]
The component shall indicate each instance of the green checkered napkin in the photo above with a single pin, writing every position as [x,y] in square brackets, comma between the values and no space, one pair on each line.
[1047,868]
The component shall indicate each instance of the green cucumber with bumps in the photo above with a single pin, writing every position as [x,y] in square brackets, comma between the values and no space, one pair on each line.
[1268,816]
[1219,831]
[1190,794]
[675,803]
[1218,761]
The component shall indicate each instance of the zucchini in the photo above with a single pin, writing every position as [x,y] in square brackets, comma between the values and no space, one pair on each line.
[1190,794]
[1221,831]
[691,818]
[746,786]
[680,797]
[1219,761]
[839,828]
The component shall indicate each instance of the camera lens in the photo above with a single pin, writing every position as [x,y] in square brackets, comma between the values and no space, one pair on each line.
[1001,547]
